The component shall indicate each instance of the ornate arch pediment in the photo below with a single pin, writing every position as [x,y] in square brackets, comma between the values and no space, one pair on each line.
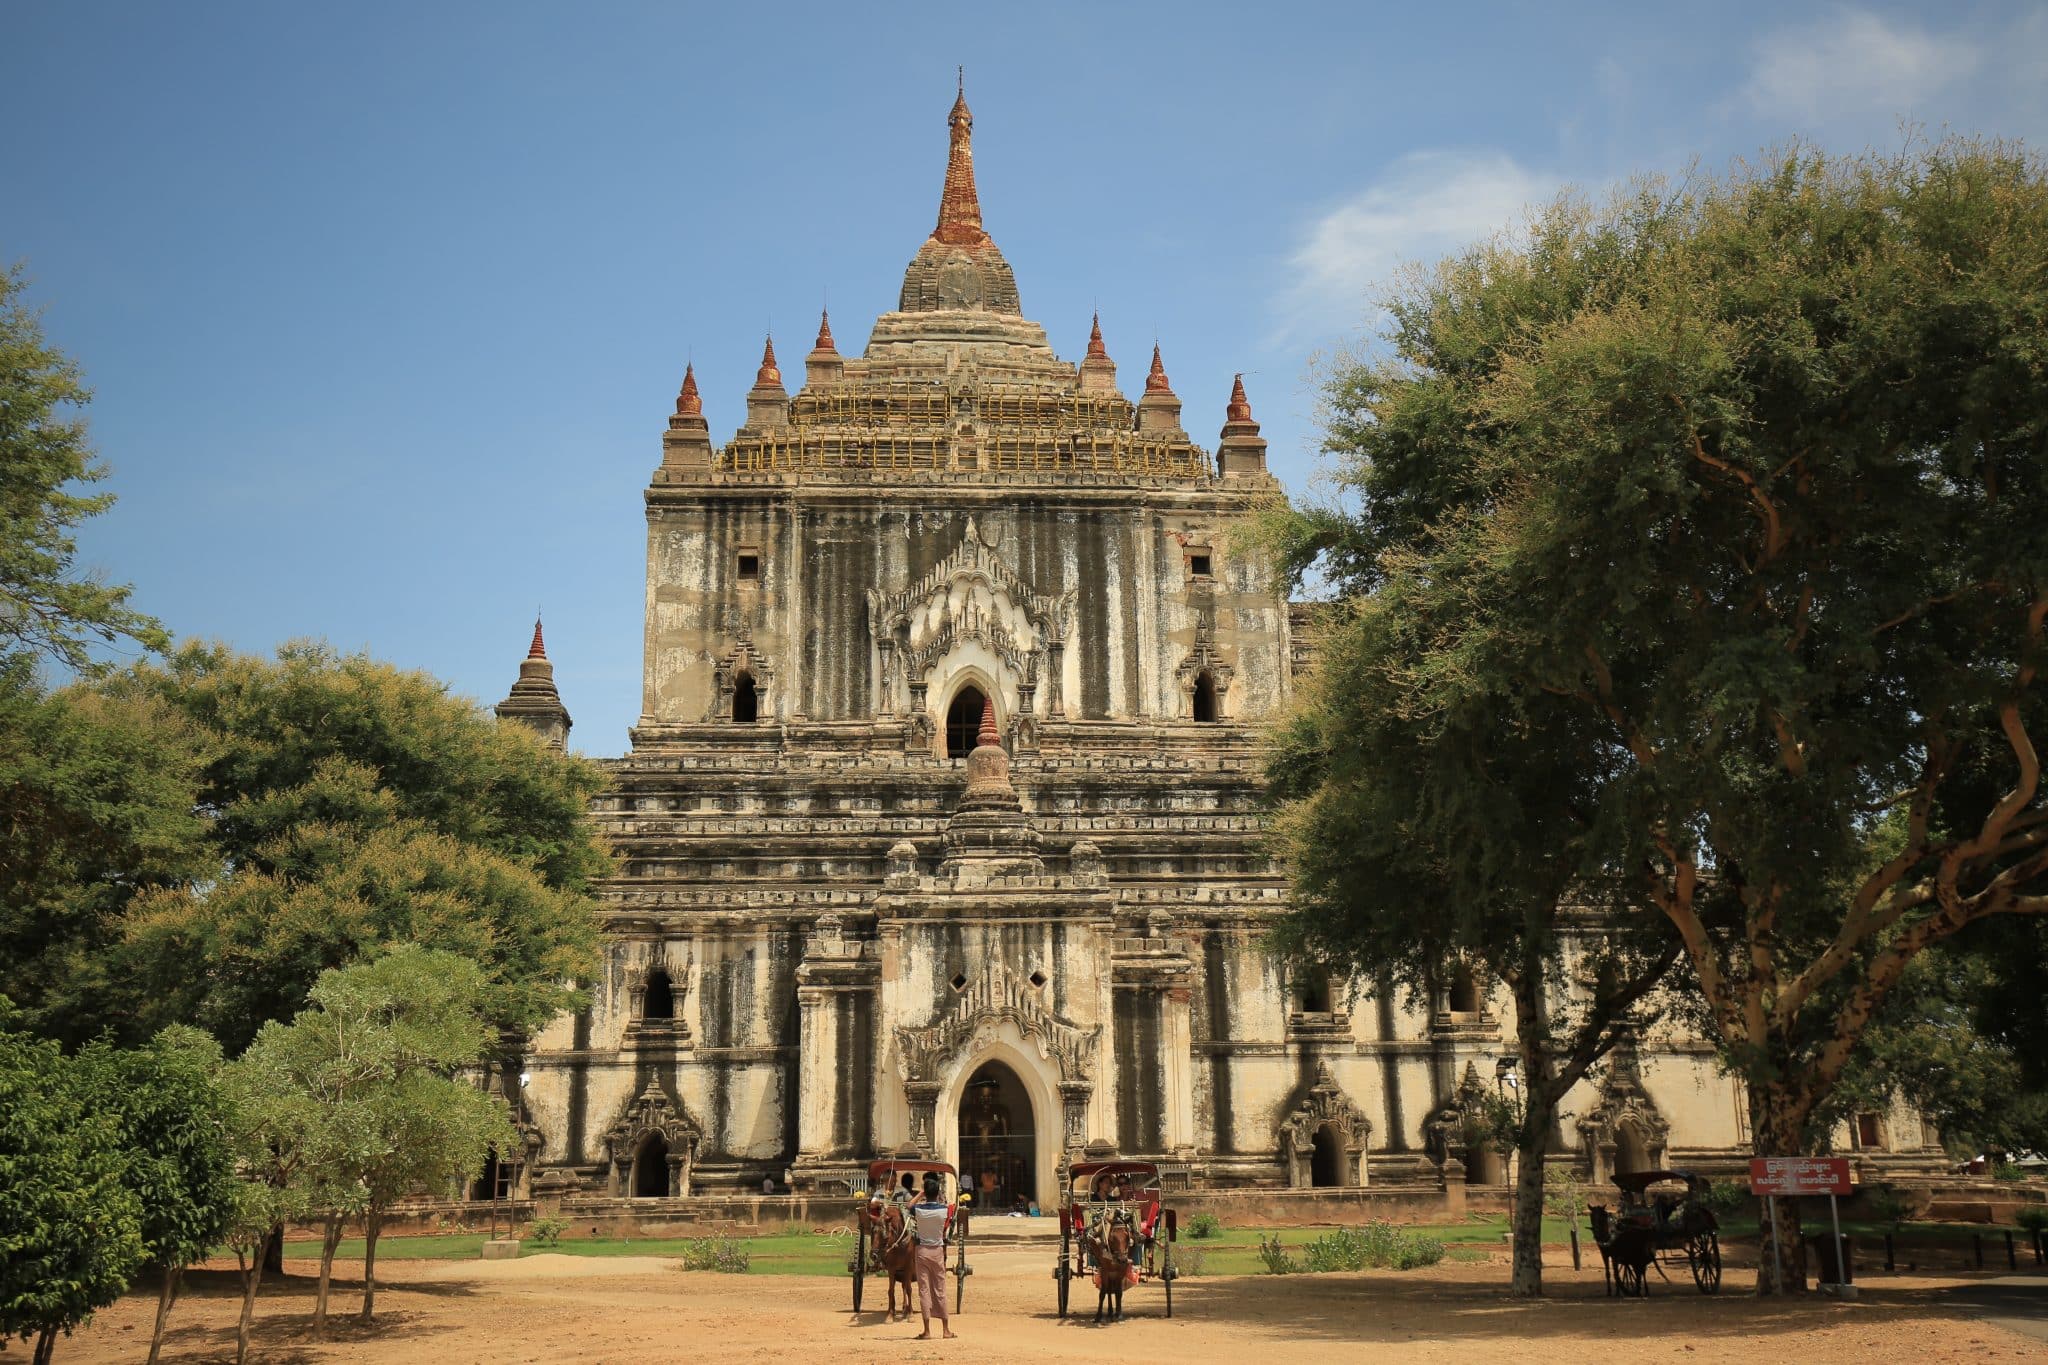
[1205,657]
[743,657]
[1625,1103]
[1326,1104]
[653,1113]
[993,997]
[972,596]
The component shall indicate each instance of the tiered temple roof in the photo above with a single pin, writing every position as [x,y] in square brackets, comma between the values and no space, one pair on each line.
[955,380]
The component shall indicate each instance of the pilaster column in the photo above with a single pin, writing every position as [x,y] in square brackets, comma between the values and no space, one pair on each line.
[1178,1043]
[924,1102]
[817,1051]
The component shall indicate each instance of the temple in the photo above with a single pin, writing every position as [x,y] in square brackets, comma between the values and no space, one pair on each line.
[940,827]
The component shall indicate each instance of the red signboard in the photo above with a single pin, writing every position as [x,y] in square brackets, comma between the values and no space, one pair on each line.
[1784,1175]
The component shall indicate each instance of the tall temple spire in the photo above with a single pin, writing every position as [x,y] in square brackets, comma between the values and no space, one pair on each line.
[960,203]
[539,648]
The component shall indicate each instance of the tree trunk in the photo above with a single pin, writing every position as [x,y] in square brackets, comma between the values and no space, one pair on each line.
[46,1343]
[330,1239]
[372,1222]
[1533,1139]
[273,1251]
[168,1296]
[1775,1134]
[252,1275]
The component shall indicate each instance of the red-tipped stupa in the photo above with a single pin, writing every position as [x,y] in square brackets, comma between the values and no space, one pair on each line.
[989,736]
[538,649]
[688,404]
[1240,409]
[1096,350]
[1156,382]
[768,374]
[824,342]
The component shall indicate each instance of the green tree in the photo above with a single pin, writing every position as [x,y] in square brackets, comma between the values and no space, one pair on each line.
[98,803]
[363,1088]
[70,1227]
[353,805]
[46,607]
[1425,839]
[173,1128]
[1749,473]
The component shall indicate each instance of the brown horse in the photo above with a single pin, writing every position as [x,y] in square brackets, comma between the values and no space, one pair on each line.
[894,1249]
[1110,1242]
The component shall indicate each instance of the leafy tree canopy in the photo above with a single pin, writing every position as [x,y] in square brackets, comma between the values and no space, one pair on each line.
[47,608]
[70,1225]
[349,805]
[1749,474]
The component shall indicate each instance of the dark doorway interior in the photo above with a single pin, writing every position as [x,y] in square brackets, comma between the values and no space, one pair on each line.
[963,721]
[746,701]
[1205,697]
[1326,1159]
[659,1002]
[997,1142]
[650,1168]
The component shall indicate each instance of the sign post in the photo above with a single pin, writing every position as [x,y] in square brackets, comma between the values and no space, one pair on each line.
[1791,1176]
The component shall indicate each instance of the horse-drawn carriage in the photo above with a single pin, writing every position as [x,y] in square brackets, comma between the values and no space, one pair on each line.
[1653,1221]
[1112,1225]
[887,1245]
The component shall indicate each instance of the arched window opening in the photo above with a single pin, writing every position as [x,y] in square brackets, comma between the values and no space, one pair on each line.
[746,700]
[1483,1166]
[1464,992]
[659,999]
[650,1168]
[1326,1158]
[963,721]
[1205,697]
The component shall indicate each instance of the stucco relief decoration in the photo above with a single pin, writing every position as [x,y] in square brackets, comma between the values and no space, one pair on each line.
[653,1113]
[993,997]
[975,597]
[1445,1130]
[1625,1106]
[1204,657]
[742,658]
[1325,1104]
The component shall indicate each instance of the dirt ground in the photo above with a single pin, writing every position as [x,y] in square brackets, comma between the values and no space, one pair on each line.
[568,1308]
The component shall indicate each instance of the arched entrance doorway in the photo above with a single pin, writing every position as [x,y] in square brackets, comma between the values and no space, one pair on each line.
[1631,1153]
[650,1168]
[998,1139]
[1326,1158]
[963,721]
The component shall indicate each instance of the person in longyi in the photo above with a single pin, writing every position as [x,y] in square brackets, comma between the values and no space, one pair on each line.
[932,1220]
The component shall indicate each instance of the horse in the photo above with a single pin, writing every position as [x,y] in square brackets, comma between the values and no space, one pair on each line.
[1110,1242]
[895,1250]
[1626,1252]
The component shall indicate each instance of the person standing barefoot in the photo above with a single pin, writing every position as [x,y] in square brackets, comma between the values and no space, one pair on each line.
[933,1220]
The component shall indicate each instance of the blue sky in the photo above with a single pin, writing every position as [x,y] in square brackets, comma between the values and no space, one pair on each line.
[385,305]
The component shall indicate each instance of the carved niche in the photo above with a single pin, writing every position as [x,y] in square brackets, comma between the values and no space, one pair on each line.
[653,1114]
[972,595]
[1324,1106]
[1203,658]
[743,657]
[1626,1113]
[992,997]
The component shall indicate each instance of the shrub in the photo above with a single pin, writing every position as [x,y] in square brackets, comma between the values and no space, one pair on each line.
[2034,1218]
[718,1252]
[1204,1225]
[1727,1196]
[1377,1245]
[1275,1257]
[1190,1261]
[547,1232]
[2006,1170]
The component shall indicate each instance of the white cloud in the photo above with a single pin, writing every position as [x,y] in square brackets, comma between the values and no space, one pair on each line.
[1854,62]
[1423,206]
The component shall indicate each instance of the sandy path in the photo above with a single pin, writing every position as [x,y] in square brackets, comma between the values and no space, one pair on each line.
[557,1308]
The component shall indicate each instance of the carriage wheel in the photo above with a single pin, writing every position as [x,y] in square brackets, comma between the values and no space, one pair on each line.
[960,1273]
[1064,1273]
[1704,1253]
[860,1266]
